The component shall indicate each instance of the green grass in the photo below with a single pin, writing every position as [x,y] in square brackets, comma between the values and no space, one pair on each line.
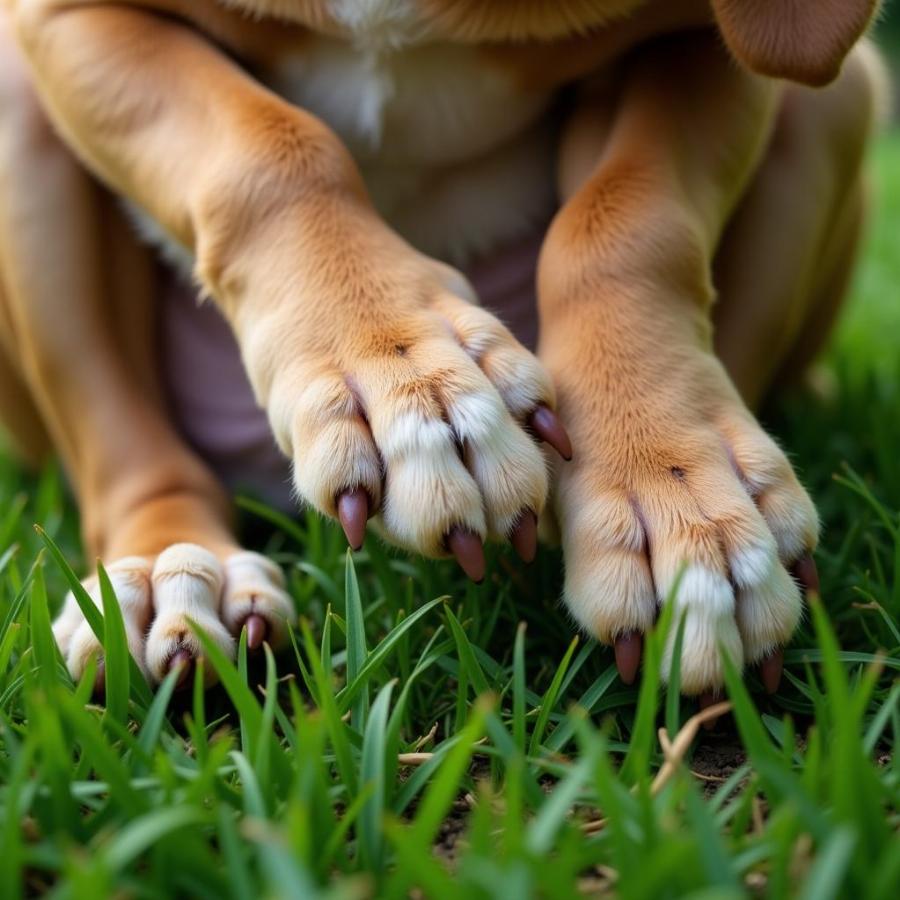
[415,729]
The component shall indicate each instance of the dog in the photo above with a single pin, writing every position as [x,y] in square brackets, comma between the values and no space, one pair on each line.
[665,195]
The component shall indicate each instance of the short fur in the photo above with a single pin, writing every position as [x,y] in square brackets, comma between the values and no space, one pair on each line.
[307,195]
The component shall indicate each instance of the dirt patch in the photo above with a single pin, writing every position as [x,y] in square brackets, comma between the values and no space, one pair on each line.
[717,756]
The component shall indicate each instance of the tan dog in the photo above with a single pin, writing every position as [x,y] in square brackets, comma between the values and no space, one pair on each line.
[312,160]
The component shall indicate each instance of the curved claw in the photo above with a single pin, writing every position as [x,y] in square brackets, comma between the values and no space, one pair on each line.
[257,630]
[353,513]
[709,699]
[628,647]
[547,427]
[770,670]
[183,661]
[100,680]
[805,571]
[469,553]
[523,537]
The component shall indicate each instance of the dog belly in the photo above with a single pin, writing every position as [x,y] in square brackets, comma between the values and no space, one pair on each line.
[210,397]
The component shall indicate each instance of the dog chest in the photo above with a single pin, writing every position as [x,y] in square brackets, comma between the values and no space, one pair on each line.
[420,104]
[456,155]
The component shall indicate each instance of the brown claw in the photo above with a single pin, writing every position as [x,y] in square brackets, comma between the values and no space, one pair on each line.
[523,537]
[770,670]
[709,699]
[353,512]
[183,661]
[807,574]
[469,553]
[100,680]
[628,648]
[257,629]
[546,426]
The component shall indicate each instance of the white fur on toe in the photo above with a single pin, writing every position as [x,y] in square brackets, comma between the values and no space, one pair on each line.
[187,585]
[159,601]
[254,584]
[130,580]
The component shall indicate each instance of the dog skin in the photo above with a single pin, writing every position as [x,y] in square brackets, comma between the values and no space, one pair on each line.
[706,215]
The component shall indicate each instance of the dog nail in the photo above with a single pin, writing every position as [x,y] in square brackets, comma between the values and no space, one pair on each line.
[770,670]
[807,574]
[706,700]
[523,537]
[628,648]
[469,553]
[353,512]
[547,427]
[183,662]
[100,681]
[256,627]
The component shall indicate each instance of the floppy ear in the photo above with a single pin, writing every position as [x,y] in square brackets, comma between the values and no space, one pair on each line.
[802,40]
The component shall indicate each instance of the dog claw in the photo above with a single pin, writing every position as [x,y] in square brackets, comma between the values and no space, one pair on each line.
[770,670]
[709,699]
[100,680]
[627,648]
[257,628]
[183,662]
[547,427]
[469,553]
[353,512]
[807,574]
[523,537]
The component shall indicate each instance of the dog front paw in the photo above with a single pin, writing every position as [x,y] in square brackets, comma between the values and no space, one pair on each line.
[161,599]
[677,493]
[418,407]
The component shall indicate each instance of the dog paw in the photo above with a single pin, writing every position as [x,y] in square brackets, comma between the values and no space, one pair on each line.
[161,597]
[423,413]
[700,508]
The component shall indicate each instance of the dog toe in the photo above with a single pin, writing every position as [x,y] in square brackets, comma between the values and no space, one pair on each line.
[187,583]
[130,582]
[254,597]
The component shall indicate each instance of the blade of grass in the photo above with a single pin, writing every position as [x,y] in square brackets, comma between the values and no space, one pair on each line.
[548,701]
[372,772]
[469,666]
[115,651]
[381,652]
[356,643]
[519,688]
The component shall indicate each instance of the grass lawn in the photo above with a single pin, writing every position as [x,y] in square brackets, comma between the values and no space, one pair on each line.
[416,729]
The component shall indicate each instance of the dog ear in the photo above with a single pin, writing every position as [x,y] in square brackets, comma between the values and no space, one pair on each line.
[802,40]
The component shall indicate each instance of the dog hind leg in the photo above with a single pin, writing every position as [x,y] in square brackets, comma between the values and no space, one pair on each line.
[783,267]
[80,303]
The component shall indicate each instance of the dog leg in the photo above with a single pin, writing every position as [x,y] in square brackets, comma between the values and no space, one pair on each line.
[382,380]
[79,304]
[674,489]
[23,428]
[771,318]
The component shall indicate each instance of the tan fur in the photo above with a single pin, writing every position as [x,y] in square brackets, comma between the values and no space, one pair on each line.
[370,358]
